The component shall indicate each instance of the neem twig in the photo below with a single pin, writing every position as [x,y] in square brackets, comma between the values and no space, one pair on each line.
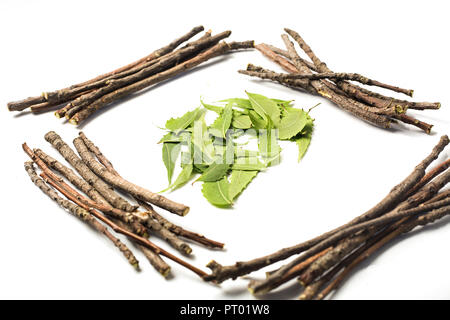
[212,52]
[136,221]
[57,95]
[83,99]
[391,201]
[140,240]
[80,213]
[105,190]
[123,184]
[366,105]
[422,220]
[97,202]
[177,230]
[155,260]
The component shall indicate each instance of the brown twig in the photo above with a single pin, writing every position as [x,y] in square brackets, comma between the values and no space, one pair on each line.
[364,104]
[104,189]
[150,211]
[398,193]
[140,240]
[212,52]
[80,213]
[56,96]
[422,220]
[155,259]
[123,184]
[136,220]
[98,201]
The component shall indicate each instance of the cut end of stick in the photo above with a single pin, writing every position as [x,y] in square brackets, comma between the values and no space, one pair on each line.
[185,211]
[165,272]
[73,121]
[187,250]
[57,115]
[410,93]
[136,266]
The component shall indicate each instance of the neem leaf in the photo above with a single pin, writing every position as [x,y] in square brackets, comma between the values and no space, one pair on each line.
[248,164]
[173,137]
[305,138]
[268,144]
[170,154]
[265,107]
[223,122]
[178,124]
[214,172]
[242,153]
[292,123]
[239,102]
[239,181]
[211,107]
[283,103]
[217,192]
[242,122]
[184,176]
[201,143]
[257,121]
[200,168]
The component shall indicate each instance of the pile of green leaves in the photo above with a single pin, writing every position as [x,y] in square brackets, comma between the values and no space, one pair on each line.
[212,152]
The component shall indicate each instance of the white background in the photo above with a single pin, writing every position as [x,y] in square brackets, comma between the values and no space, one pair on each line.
[47,45]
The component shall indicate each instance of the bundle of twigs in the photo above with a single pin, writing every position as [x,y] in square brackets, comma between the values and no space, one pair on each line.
[324,262]
[100,206]
[316,78]
[81,100]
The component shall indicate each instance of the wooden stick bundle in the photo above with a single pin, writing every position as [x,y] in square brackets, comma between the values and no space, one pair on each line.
[323,262]
[79,101]
[316,78]
[104,209]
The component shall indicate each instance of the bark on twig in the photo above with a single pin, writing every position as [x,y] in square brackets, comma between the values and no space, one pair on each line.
[177,230]
[395,197]
[214,51]
[317,78]
[155,260]
[80,213]
[125,185]
[56,96]
[140,240]
[105,190]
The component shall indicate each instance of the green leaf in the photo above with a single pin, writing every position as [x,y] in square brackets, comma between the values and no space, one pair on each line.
[243,153]
[214,172]
[201,143]
[170,154]
[239,102]
[186,159]
[184,176]
[217,192]
[265,107]
[242,122]
[211,107]
[268,145]
[257,121]
[172,137]
[248,164]
[239,181]
[305,139]
[223,122]
[283,103]
[200,168]
[178,124]
[292,123]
